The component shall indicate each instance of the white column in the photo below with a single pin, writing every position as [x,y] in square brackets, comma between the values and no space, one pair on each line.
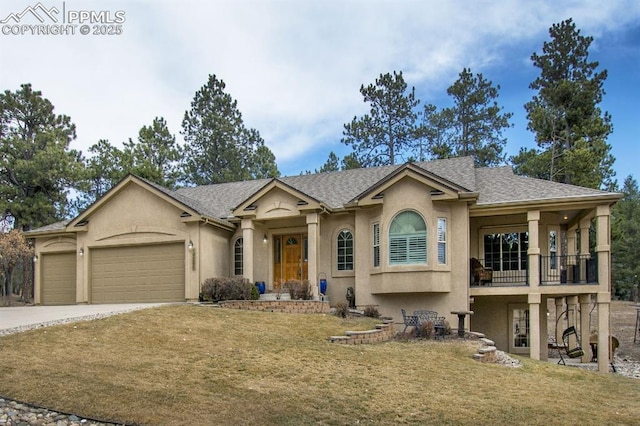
[585,329]
[247,248]
[313,231]
[585,225]
[603,299]
[534,326]
[533,219]
[603,247]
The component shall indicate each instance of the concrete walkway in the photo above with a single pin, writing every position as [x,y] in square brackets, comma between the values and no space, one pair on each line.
[19,316]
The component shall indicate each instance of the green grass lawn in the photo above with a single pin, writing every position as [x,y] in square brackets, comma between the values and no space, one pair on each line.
[201,365]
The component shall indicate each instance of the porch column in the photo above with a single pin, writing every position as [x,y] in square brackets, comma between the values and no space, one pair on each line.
[572,317]
[604,299]
[533,253]
[544,330]
[313,231]
[560,326]
[247,248]
[603,247]
[585,329]
[571,253]
[534,326]
[585,225]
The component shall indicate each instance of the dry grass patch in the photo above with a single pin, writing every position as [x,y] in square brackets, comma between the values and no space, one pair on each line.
[199,365]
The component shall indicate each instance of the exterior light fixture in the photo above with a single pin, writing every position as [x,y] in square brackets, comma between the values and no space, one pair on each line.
[81,252]
[35,258]
[264,239]
[190,246]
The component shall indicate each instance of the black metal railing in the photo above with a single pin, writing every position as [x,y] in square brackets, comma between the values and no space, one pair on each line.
[554,270]
[502,274]
[569,269]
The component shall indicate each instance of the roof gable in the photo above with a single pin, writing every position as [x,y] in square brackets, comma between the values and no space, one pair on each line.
[78,222]
[442,188]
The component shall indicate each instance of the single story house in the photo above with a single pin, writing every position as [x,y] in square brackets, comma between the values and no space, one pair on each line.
[440,235]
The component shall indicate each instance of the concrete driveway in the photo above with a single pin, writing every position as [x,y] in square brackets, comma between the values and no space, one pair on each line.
[35,316]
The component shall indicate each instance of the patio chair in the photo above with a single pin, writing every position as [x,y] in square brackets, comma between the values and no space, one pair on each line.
[571,350]
[409,320]
[481,274]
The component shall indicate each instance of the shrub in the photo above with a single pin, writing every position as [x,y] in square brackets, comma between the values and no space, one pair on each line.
[371,311]
[299,290]
[217,289]
[255,293]
[342,310]
[425,329]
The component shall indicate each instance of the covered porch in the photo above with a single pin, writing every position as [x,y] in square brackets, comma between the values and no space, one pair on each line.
[529,257]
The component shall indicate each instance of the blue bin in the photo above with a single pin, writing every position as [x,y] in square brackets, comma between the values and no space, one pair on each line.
[261,287]
[323,286]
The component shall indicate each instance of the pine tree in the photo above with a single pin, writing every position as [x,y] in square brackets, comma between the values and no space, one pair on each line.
[571,130]
[389,130]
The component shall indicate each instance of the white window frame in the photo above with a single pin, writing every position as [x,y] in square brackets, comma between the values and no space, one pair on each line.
[342,253]
[238,256]
[442,240]
[408,248]
[376,244]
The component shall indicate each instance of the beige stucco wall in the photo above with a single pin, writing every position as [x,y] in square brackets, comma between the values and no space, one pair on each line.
[491,317]
[443,288]
[337,281]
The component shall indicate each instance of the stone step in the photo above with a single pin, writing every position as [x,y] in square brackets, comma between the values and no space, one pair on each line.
[487,342]
[274,296]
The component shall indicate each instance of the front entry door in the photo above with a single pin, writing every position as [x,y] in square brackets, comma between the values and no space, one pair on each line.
[290,258]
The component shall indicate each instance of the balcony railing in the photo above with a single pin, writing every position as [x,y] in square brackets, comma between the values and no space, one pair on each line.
[569,269]
[554,270]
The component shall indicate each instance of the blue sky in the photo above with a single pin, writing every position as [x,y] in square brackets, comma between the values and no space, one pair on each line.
[295,67]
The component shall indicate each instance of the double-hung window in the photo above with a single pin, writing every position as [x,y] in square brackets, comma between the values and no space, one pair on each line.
[407,239]
[442,240]
[376,244]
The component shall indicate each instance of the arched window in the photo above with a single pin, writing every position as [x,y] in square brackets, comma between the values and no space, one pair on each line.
[238,264]
[407,239]
[345,250]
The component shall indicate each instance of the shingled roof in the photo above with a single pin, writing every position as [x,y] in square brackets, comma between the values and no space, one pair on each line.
[494,185]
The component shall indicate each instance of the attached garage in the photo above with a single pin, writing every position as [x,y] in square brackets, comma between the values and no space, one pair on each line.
[58,272]
[143,273]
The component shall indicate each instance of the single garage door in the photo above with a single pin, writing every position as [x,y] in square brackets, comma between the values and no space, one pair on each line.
[58,279]
[150,273]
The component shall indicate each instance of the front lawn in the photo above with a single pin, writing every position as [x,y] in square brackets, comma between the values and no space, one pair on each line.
[201,365]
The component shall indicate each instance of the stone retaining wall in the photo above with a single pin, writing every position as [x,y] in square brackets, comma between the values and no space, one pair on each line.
[284,306]
[383,332]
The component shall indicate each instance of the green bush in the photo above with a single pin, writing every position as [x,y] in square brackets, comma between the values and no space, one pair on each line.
[217,289]
[255,293]
[299,290]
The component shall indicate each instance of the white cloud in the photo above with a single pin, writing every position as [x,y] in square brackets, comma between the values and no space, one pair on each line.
[294,67]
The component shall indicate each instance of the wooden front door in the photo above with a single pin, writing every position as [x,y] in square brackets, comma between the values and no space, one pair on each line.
[290,258]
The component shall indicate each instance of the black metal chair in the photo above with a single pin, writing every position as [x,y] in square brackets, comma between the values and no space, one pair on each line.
[409,320]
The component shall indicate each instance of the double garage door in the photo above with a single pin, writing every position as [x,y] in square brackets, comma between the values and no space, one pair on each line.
[151,273]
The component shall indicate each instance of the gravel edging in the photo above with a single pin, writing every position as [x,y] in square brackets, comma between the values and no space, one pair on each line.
[23,328]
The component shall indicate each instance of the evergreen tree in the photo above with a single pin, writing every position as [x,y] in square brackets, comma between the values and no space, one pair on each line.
[155,156]
[475,122]
[571,130]
[218,147]
[37,168]
[389,130]
[625,250]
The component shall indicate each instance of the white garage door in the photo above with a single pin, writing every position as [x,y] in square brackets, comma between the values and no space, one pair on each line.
[150,273]
[58,279]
